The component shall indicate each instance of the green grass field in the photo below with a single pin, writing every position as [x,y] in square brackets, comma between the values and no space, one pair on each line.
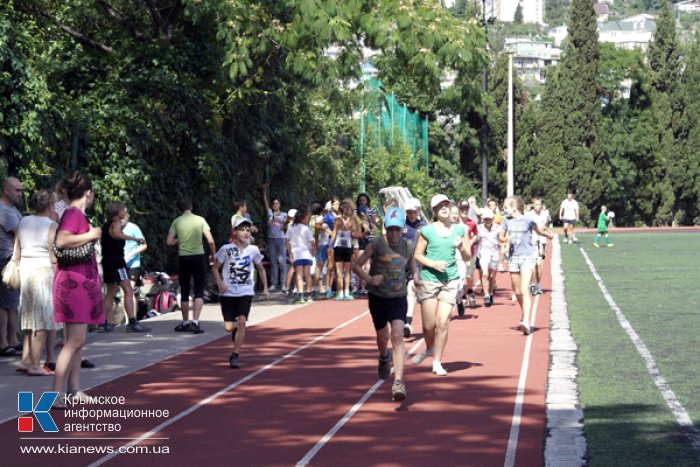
[653,279]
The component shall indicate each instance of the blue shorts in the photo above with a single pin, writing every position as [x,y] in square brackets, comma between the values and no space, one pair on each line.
[322,253]
[303,262]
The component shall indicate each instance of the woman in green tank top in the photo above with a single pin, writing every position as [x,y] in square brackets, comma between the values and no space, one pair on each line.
[436,248]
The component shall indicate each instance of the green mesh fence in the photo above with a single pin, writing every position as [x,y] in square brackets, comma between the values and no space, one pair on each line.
[386,120]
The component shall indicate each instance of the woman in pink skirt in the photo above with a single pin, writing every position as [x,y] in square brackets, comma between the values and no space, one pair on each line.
[77,292]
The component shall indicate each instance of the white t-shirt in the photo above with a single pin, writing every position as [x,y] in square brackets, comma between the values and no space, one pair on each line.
[542,220]
[488,240]
[300,240]
[237,271]
[570,207]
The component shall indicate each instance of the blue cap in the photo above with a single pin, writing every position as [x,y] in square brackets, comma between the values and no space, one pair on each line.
[395,217]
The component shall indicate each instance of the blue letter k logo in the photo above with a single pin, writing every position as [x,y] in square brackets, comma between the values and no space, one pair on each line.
[25,403]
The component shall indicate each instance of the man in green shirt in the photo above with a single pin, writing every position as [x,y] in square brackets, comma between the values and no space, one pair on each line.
[186,232]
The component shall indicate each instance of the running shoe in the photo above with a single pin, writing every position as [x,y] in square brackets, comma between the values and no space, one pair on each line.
[533,289]
[329,293]
[488,301]
[137,327]
[233,361]
[194,327]
[272,288]
[182,327]
[418,358]
[407,330]
[596,245]
[299,300]
[349,297]
[398,390]
[610,245]
[309,299]
[339,297]
[384,368]
[524,328]
[438,369]
[539,289]
[84,363]
[472,300]
[460,308]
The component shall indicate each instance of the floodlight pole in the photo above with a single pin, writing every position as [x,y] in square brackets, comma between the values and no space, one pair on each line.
[484,131]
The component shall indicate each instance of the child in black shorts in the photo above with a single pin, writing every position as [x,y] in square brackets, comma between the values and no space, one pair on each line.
[237,286]
[386,281]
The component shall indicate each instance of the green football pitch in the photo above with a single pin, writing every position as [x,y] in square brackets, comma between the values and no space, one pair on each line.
[653,280]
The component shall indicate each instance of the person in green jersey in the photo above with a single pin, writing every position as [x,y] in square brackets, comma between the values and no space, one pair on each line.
[186,232]
[603,220]
[437,244]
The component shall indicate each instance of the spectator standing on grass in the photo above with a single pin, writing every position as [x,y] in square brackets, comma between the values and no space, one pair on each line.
[236,262]
[603,219]
[186,232]
[517,235]
[276,244]
[10,218]
[569,215]
[392,257]
[114,268]
[77,291]
[435,250]
[36,265]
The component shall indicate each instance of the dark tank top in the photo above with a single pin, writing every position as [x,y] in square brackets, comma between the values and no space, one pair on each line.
[112,249]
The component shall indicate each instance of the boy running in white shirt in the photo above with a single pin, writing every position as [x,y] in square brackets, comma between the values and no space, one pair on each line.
[237,286]
[489,253]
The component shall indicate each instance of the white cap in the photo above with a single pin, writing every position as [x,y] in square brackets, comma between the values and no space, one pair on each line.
[413,204]
[328,206]
[487,213]
[437,199]
[292,213]
[241,220]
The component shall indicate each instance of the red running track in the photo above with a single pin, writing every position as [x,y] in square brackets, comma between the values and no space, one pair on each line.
[277,407]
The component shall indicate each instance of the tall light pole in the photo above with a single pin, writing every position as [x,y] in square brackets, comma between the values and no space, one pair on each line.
[511,182]
[484,130]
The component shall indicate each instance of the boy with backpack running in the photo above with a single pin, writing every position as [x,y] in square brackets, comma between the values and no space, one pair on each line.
[237,286]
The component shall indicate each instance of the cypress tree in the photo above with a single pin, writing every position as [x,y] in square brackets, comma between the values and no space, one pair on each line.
[664,61]
[571,154]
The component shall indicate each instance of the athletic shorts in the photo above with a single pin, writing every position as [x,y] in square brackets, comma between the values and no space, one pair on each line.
[443,291]
[569,221]
[113,274]
[233,307]
[189,267]
[519,263]
[386,310]
[134,275]
[322,254]
[342,254]
[489,259]
[303,262]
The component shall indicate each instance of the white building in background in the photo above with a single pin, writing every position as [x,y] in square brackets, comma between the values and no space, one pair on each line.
[531,57]
[635,32]
[688,6]
[504,10]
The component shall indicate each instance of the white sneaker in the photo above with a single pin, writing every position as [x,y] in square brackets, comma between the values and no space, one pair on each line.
[418,358]
[513,297]
[407,330]
[272,288]
[524,328]
[472,300]
[438,369]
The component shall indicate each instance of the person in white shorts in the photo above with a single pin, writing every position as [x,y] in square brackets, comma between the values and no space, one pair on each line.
[569,215]
[542,219]
[489,252]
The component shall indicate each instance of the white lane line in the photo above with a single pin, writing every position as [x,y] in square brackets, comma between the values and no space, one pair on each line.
[223,391]
[669,396]
[353,410]
[520,395]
